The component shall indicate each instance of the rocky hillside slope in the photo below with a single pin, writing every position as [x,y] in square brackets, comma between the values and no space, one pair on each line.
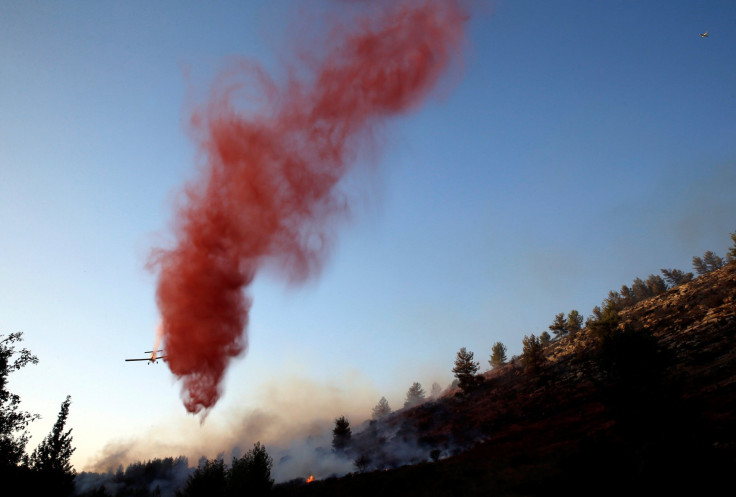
[648,410]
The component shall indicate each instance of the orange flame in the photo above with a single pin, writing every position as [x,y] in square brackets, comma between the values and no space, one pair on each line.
[310,479]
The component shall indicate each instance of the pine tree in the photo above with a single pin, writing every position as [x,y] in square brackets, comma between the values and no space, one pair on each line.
[545,339]
[436,390]
[51,459]
[498,355]
[731,254]
[208,480]
[627,297]
[382,409]
[656,284]
[559,326]
[574,322]
[465,369]
[699,266]
[533,355]
[250,474]
[712,261]
[341,434]
[675,277]
[640,289]
[415,395]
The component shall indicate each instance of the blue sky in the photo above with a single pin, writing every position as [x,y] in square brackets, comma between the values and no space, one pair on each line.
[574,147]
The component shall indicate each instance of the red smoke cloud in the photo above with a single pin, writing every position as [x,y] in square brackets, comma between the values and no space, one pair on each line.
[268,187]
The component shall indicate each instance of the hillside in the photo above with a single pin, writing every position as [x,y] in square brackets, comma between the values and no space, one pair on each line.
[648,410]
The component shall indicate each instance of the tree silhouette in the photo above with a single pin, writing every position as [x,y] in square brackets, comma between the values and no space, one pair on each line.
[415,395]
[13,422]
[699,266]
[559,325]
[465,369]
[498,355]
[603,323]
[712,261]
[675,277]
[51,459]
[208,480]
[382,409]
[341,434]
[656,285]
[250,474]
[574,322]
[731,255]
[533,355]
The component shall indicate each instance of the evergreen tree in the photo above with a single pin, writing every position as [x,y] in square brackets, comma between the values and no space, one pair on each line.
[603,323]
[596,315]
[616,301]
[436,390]
[731,255]
[415,395]
[699,266]
[712,261]
[341,434]
[208,480]
[626,297]
[13,422]
[574,322]
[545,339]
[382,409]
[640,289]
[674,277]
[250,474]
[656,284]
[465,369]
[498,355]
[559,326]
[51,459]
[533,355]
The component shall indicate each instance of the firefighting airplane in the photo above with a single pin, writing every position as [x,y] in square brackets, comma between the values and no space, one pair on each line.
[154,356]
[704,35]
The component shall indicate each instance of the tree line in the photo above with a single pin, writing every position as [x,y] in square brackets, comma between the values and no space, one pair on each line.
[600,323]
[47,470]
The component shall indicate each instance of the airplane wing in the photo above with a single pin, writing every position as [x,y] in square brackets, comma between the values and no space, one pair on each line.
[148,359]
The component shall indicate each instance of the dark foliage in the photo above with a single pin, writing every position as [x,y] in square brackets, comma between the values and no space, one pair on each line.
[574,322]
[731,255]
[709,262]
[250,474]
[498,355]
[341,434]
[50,461]
[675,277]
[465,370]
[559,325]
[209,479]
[532,356]
[13,421]
[603,323]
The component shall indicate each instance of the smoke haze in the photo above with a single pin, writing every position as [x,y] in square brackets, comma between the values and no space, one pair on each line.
[268,189]
[299,443]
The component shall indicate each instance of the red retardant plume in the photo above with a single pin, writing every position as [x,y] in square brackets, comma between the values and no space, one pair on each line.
[268,186]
